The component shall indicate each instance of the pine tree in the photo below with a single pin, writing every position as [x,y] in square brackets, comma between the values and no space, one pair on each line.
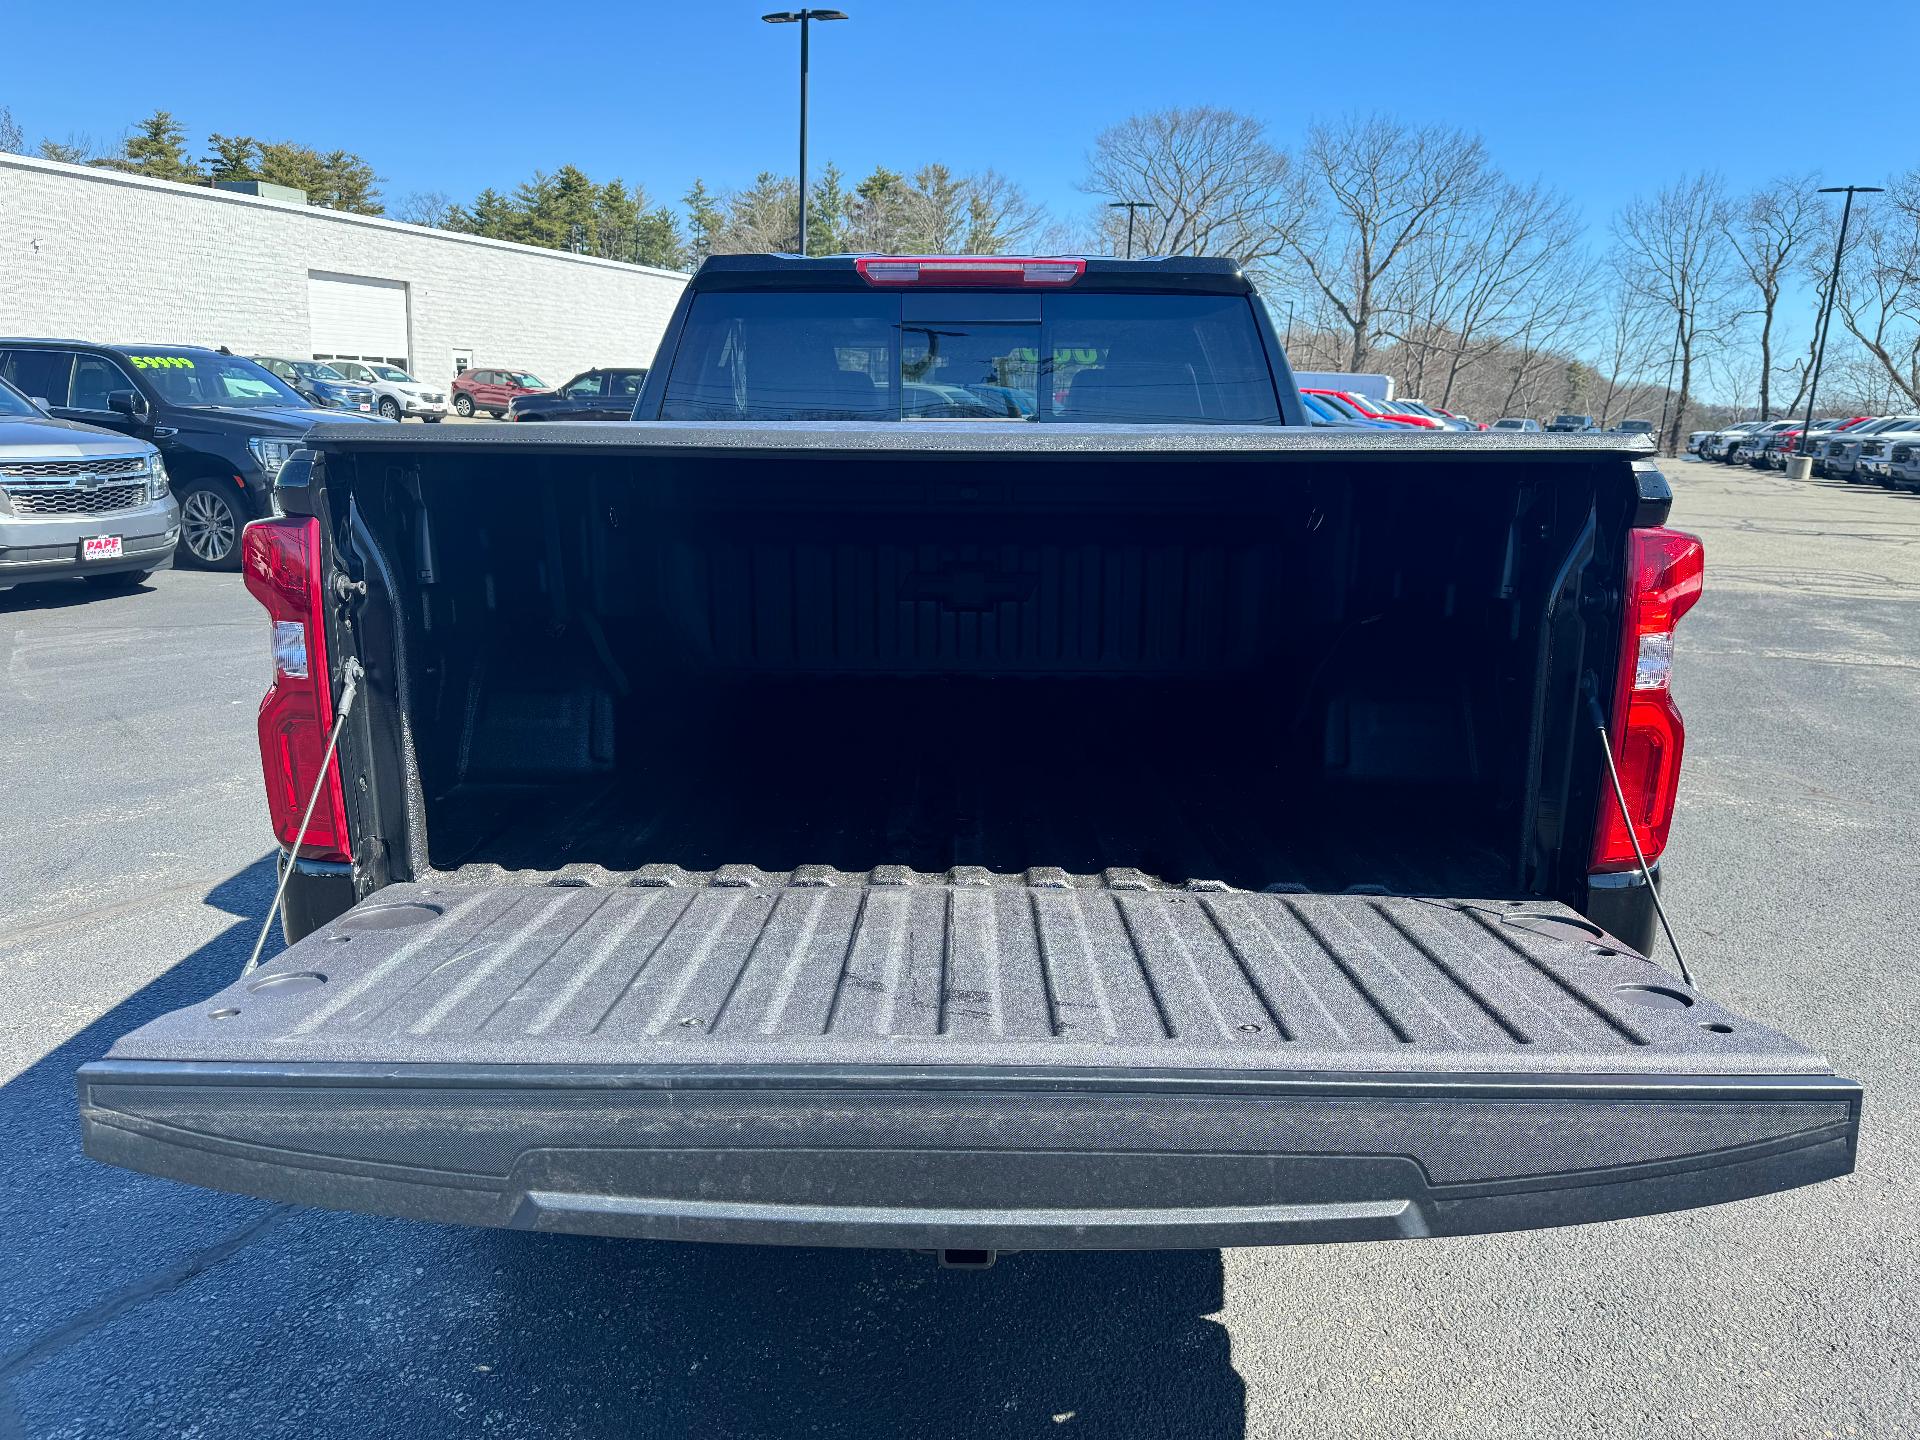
[74,150]
[657,240]
[491,214]
[829,210]
[705,220]
[231,157]
[158,148]
[337,180]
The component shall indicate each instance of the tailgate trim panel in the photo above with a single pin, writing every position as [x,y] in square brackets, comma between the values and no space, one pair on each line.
[972,1156]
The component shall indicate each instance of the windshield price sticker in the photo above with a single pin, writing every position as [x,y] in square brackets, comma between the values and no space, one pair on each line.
[161,362]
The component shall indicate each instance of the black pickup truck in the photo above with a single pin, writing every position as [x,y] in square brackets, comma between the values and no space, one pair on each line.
[971,770]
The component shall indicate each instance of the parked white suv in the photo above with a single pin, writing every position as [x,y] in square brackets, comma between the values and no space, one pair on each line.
[396,394]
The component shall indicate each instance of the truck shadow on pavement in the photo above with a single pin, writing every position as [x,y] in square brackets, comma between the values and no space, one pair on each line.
[63,595]
[146,1307]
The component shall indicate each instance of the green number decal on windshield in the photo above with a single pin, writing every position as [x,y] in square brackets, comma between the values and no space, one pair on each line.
[161,362]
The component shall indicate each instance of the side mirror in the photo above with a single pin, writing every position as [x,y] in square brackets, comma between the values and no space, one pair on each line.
[39,400]
[128,403]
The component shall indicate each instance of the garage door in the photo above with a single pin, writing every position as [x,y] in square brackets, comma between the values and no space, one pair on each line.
[358,316]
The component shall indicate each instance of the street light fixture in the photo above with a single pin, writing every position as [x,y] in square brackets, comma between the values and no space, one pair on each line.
[803,17]
[1130,206]
[1826,307]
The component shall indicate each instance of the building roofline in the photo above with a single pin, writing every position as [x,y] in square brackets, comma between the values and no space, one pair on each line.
[340,217]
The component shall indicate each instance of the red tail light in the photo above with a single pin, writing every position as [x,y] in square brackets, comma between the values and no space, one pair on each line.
[1665,572]
[969,269]
[281,561]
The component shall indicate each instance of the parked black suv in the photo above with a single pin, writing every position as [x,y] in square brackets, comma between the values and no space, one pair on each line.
[223,424]
[591,395]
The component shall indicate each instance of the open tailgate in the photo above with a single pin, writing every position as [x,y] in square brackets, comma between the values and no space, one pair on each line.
[967,1060]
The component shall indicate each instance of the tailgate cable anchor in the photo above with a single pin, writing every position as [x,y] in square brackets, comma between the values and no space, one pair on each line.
[1626,818]
[352,673]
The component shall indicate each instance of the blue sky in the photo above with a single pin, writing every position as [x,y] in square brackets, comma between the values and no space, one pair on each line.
[1601,99]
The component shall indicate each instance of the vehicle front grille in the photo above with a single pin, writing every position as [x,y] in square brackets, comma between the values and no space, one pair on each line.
[70,469]
[70,500]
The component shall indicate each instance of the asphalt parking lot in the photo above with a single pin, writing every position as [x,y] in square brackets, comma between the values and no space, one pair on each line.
[137,871]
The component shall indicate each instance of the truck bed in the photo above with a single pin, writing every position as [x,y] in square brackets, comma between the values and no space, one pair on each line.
[966,1060]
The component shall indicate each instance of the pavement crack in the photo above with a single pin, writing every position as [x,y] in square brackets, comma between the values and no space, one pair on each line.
[152,1287]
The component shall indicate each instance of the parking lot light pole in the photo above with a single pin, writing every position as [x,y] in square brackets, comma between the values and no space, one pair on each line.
[803,17]
[1130,206]
[1821,326]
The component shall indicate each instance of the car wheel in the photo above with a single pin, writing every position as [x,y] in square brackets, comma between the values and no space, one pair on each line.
[210,522]
[498,414]
[119,580]
[389,409]
[463,406]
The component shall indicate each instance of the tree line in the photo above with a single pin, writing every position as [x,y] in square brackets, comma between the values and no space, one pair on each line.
[1406,249]
[1379,245]
[157,147]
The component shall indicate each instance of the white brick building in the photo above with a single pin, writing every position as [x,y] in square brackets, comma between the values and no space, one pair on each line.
[96,255]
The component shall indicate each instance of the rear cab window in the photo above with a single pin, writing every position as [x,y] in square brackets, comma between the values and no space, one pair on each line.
[1132,358]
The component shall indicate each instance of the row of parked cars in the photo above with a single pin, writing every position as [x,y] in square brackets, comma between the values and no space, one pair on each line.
[1575,425]
[372,387]
[1882,449]
[1349,409]
[119,460]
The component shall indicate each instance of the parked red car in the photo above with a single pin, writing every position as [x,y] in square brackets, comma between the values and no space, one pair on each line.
[1374,411]
[493,389]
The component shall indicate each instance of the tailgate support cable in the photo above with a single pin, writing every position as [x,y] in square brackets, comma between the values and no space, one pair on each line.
[351,670]
[1626,817]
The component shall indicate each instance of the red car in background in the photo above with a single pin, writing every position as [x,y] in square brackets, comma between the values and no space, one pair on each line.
[1374,411]
[493,389]
[1782,447]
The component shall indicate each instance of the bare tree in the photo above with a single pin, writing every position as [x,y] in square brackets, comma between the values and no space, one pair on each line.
[1636,348]
[1673,252]
[1215,185]
[1769,232]
[432,208]
[13,140]
[1369,191]
[1879,295]
[1493,269]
